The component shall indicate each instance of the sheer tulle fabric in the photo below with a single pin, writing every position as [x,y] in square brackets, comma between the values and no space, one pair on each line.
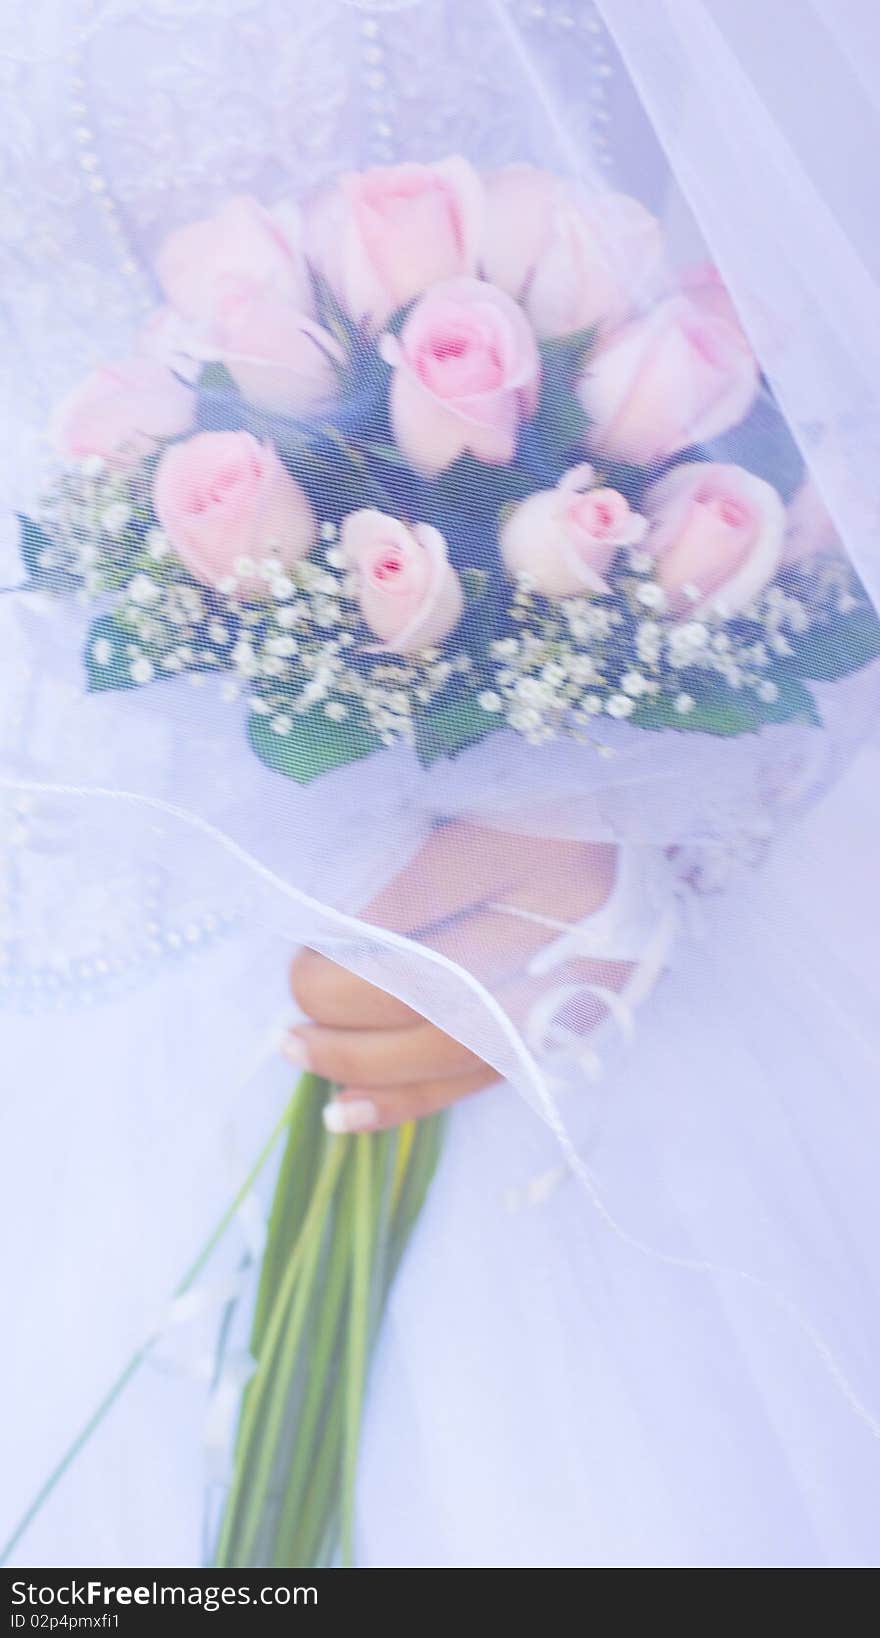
[136,821]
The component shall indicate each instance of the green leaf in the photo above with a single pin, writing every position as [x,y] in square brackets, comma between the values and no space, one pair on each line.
[474,584]
[114,672]
[215,377]
[34,546]
[448,729]
[727,712]
[387,452]
[846,644]
[314,745]
[572,348]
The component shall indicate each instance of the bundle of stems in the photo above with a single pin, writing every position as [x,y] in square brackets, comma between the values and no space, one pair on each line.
[343,1211]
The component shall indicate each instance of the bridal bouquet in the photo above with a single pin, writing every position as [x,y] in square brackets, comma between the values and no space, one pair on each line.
[437,455]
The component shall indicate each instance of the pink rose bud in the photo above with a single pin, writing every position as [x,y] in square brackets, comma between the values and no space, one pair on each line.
[383,236]
[223,497]
[280,358]
[566,538]
[810,531]
[716,534]
[199,263]
[122,411]
[571,261]
[467,371]
[676,377]
[409,593]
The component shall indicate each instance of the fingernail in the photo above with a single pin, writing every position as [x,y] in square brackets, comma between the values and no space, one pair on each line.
[357,1115]
[294,1049]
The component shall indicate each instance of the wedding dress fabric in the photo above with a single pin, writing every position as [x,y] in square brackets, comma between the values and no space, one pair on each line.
[640,1330]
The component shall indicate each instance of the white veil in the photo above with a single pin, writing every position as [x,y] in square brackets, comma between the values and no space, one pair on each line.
[141,831]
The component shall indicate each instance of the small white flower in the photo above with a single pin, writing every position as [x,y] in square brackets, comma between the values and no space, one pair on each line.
[115,517]
[553,674]
[641,562]
[780,644]
[171,662]
[92,466]
[227,585]
[582,668]
[503,647]
[102,651]
[632,682]
[142,589]
[282,587]
[767,691]
[488,701]
[620,705]
[651,596]
[335,558]
[592,704]
[328,531]
[218,633]
[684,703]
[281,646]
[245,567]
[157,545]
[691,592]
[692,634]
[281,724]
[141,670]
[532,691]
[525,720]
[336,710]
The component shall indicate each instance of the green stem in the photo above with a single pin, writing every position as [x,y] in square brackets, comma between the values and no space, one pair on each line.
[323,1193]
[359,1325]
[296,1174]
[137,1358]
[322,1373]
[279,1392]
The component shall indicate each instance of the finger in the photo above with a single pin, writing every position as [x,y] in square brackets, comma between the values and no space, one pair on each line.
[379,1057]
[338,998]
[374,1109]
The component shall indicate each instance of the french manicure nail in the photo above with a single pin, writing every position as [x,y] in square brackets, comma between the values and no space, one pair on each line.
[294,1049]
[358,1115]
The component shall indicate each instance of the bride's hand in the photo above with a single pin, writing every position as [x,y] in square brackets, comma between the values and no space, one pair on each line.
[393,1065]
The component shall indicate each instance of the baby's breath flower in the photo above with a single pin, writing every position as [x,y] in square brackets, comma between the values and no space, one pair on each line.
[620,705]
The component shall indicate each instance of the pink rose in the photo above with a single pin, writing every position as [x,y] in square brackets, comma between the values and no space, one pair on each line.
[383,236]
[278,356]
[811,531]
[565,538]
[703,285]
[716,533]
[223,496]
[409,593]
[676,377]
[244,244]
[571,262]
[169,338]
[121,411]
[467,371]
